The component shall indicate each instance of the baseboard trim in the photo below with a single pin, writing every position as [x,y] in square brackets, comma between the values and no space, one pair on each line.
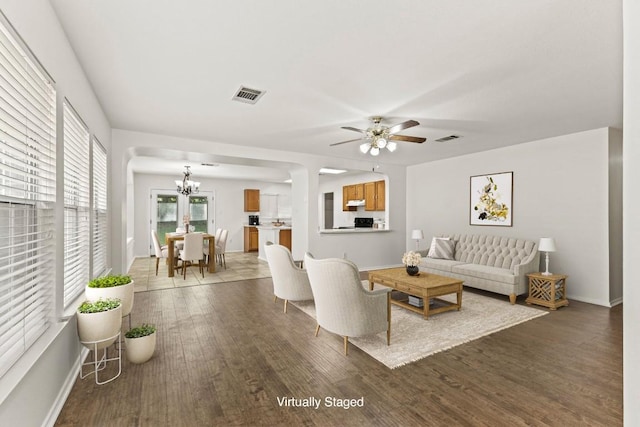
[55,410]
[589,301]
[615,302]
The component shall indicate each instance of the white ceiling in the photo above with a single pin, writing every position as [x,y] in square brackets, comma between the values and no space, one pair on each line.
[495,72]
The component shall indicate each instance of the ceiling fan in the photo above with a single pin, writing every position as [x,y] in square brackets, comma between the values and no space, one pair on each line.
[379,136]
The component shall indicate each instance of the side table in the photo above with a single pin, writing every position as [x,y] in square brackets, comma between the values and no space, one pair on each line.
[549,291]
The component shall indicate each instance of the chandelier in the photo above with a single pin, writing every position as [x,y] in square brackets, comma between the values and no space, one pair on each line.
[186,186]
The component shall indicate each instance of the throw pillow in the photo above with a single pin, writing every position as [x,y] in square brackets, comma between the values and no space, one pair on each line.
[444,249]
[432,248]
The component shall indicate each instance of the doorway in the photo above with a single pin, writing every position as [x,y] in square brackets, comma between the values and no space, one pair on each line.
[169,208]
[328,211]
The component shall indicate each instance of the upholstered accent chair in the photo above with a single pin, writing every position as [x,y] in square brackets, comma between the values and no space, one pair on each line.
[290,282]
[344,305]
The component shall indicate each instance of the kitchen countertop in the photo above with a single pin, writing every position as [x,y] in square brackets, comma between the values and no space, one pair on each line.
[271,227]
[353,230]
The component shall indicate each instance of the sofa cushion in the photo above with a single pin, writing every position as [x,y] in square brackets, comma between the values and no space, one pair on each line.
[443,249]
[432,248]
[439,264]
[496,274]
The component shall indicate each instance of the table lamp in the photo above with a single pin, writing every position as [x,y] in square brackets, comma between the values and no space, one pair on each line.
[417,236]
[546,245]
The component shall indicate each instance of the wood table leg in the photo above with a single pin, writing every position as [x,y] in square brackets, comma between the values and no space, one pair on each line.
[170,257]
[212,256]
[425,305]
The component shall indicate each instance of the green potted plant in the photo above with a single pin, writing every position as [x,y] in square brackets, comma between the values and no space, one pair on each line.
[112,286]
[99,322]
[140,342]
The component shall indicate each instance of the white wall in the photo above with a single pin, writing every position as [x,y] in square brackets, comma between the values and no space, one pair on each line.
[229,206]
[32,392]
[560,190]
[631,174]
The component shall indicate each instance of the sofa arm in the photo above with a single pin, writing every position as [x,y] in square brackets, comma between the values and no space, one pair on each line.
[530,265]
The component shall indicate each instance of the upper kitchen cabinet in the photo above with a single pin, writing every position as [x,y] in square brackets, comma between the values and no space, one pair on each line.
[374,196]
[251,200]
[352,192]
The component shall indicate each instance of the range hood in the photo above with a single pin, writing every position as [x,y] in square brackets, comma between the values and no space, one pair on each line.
[355,202]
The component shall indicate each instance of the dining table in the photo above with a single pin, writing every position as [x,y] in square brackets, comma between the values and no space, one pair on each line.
[172,238]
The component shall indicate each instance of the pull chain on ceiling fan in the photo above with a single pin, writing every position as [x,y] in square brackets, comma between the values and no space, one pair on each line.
[379,136]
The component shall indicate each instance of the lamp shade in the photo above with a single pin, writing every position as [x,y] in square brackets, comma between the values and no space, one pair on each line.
[417,235]
[547,244]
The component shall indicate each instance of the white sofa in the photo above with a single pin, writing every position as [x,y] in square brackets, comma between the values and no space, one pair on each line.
[493,263]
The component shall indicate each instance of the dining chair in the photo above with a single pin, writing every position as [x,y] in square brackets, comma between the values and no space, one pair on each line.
[344,305]
[162,252]
[221,245]
[205,250]
[290,282]
[192,252]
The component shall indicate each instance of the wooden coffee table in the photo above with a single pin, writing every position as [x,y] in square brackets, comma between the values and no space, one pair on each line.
[425,285]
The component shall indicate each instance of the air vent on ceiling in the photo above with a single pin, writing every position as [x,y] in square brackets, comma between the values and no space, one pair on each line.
[447,138]
[248,96]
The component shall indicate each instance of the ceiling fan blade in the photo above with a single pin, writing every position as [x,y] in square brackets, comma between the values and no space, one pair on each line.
[344,142]
[354,129]
[407,138]
[402,126]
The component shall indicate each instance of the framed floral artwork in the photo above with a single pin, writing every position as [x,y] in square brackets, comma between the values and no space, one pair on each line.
[491,199]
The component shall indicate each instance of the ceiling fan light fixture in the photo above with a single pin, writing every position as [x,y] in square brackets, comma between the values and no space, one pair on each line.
[381,142]
[375,151]
[391,146]
[364,147]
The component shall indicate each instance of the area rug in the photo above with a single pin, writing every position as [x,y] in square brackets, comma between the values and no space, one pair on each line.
[414,338]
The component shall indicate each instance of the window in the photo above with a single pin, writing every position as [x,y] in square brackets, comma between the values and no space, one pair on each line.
[76,204]
[27,197]
[99,169]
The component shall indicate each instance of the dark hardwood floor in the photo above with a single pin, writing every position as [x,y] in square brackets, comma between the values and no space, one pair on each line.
[226,352]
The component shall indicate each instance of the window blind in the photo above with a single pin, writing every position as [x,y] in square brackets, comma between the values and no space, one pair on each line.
[27,197]
[76,204]
[99,168]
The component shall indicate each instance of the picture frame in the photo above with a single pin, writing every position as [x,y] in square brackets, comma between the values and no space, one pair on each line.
[491,199]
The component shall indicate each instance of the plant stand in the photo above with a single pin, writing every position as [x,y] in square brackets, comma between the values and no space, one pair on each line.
[101,364]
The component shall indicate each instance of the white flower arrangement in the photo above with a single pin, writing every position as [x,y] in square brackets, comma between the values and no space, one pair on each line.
[185,219]
[411,258]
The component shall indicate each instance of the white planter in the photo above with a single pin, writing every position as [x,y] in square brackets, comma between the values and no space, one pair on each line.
[101,328]
[123,292]
[139,350]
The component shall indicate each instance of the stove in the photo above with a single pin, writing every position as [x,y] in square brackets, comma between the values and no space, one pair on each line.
[361,222]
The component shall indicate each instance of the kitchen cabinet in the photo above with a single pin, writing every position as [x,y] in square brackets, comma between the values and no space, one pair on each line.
[351,192]
[250,239]
[374,196]
[251,200]
[285,238]
[345,199]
